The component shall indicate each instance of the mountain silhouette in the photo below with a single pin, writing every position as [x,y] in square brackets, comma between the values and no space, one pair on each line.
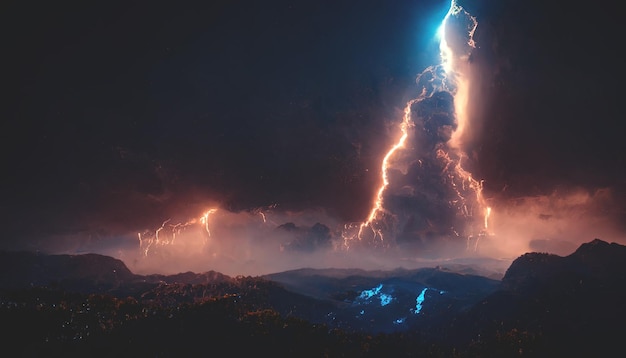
[544,305]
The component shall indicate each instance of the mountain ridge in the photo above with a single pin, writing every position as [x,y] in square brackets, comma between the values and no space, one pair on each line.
[545,304]
[27,269]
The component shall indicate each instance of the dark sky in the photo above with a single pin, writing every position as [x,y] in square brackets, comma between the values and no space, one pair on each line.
[117,114]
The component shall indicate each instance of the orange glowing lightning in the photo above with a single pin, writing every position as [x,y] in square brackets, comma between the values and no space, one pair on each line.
[448,76]
[166,234]
[378,205]
[454,66]
[205,220]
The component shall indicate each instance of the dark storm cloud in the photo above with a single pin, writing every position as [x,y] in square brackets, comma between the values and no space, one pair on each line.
[421,195]
[244,103]
[544,100]
[122,116]
[317,237]
[551,78]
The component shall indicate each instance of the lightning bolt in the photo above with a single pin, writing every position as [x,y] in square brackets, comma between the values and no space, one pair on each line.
[156,234]
[454,65]
[446,76]
[378,208]
[165,235]
[204,219]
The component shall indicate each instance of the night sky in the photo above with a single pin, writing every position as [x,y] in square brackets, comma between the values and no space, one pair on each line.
[118,114]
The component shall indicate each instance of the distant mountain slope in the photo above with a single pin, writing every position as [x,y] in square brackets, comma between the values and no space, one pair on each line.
[86,273]
[354,299]
[27,269]
[542,298]
[572,305]
[388,301]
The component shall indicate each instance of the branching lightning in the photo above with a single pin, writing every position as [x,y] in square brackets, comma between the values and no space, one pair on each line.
[198,231]
[378,208]
[447,76]
[204,219]
[165,235]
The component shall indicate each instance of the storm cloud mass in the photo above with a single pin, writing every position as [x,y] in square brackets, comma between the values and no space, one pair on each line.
[123,117]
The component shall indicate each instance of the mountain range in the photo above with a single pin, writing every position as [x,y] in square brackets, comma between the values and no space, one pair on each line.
[543,305]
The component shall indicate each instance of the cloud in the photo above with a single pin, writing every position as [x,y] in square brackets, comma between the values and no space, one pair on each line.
[557,223]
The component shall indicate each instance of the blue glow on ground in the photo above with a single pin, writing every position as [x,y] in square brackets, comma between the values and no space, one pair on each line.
[385,298]
[367,294]
[420,301]
[399,320]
